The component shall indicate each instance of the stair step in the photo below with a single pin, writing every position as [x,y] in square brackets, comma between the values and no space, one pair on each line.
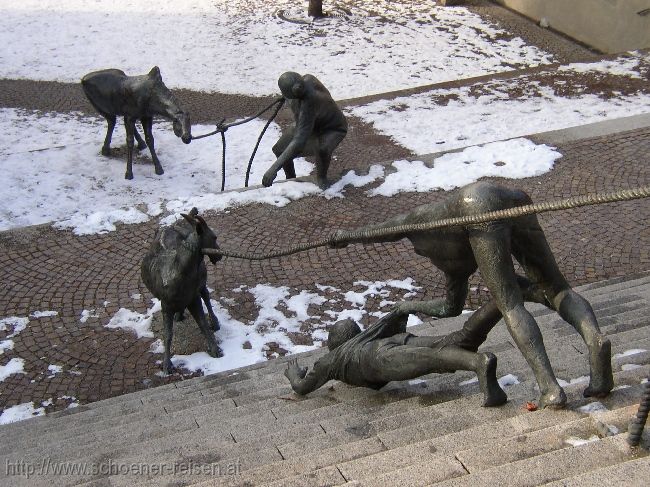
[631,473]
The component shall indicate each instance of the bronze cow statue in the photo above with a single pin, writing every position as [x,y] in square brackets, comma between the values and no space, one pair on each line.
[113,93]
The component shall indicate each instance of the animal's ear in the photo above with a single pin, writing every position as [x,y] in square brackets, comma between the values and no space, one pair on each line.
[199,228]
[155,73]
[194,211]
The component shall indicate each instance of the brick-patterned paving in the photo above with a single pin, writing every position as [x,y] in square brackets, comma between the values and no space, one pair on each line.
[45,269]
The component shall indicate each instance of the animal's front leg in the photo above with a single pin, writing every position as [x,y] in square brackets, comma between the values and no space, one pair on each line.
[129,125]
[106,148]
[168,323]
[205,295]
[147,124]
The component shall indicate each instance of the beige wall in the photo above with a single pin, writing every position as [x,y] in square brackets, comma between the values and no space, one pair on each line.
[608,25]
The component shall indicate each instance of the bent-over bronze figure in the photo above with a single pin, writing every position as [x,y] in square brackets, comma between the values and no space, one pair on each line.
[319,127]
[111,92]
[459,251]
[386,352]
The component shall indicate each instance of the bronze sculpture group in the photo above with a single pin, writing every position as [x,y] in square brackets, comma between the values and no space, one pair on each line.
[174,271]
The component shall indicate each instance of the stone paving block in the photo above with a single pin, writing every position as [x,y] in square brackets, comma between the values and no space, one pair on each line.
[253,397]
[525,445]
[324,477]
[621,339]
[44,425]
[550,466]
[62,448]
[306,463]
[434,469]
[631,473]
[300,446]
[212,418]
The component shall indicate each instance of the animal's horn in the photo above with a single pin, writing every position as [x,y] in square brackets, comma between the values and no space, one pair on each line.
[189,218]
[155,73]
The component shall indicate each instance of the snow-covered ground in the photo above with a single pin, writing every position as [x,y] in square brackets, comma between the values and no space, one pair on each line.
[242,46]
[55,171]
[445,119]
[56,178]
[282,311]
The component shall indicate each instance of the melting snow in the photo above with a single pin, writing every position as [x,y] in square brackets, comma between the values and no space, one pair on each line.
[138,323]
[14,366]
[508,380]
[20,412]
[517,158]
[592,407]
[381,47]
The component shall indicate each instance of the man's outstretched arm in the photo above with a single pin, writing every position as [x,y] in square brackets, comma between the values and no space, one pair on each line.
[303,382]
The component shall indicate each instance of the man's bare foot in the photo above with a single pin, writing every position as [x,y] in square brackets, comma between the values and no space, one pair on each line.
[555,399]
[487,378]
[602,379]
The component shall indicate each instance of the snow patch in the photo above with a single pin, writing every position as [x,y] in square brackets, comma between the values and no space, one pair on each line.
[577,380]
[592,407]
[14,366]
[508,380]
[53,370]
[575,441]
[627,353]
[17,324]
[88,313]
[517,158]
[138,323]
[20,412]
[473,380]
[43,314]
[382,47]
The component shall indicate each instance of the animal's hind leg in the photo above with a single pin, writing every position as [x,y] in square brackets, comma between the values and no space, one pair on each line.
[129,125]
[169,334]
[196,310]
[205,295]
[138,138]
[147,124]
[106,148]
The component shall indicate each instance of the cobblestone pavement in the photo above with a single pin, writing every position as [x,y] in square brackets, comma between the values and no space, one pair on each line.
[45,269]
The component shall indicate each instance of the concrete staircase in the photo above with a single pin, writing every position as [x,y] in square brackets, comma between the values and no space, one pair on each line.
[245,427]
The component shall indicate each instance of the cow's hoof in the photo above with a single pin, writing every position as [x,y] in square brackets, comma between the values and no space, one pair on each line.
[215,325]
[128,175]
[106,151]
[168,368]
[159,171]
[215,351]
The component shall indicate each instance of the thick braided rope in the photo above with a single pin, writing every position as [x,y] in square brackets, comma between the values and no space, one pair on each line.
[341,237]
[635,429]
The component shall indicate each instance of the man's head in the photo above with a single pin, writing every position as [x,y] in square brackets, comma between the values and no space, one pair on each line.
[341,332]
[291,85]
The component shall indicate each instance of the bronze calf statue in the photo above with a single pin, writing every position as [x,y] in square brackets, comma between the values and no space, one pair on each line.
[113,93]
[489,247]
[174,271]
